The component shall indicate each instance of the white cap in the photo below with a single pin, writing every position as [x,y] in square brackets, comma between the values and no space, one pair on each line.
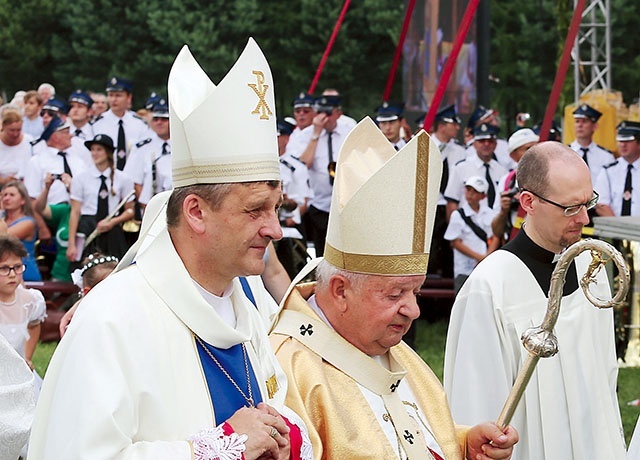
[383,204]
[223,134]
[522,137]
[478,183]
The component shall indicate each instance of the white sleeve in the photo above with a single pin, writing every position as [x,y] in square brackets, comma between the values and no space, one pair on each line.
[603,187]
[33,177]
[476,392]
[454,229]
[454,185]
[17,404]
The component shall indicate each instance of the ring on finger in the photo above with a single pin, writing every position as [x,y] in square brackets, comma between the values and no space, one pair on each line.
[273,433]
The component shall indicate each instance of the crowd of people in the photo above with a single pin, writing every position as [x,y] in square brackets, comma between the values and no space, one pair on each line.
[183,352]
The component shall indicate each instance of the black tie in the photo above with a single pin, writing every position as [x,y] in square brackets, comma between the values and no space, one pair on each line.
[332,165]
[584,154]
[79,133]
[121,148]
[67,169]
[491,194]
[445,171]
[165,151]
[103,199]
[626,196]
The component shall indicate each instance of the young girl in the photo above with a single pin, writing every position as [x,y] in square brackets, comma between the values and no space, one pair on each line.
[19,222]
[94,269]
[96,193]
[21,310]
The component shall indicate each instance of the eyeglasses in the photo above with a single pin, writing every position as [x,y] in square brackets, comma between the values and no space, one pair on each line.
[17,269]
[572,210]
[51,113]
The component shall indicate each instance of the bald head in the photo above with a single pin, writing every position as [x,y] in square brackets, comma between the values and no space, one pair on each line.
[545,160]
[554,178]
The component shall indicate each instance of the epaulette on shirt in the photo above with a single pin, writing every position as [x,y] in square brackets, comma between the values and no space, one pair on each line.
[611,164]
[135,115]
[144,142]
[100,117]
[299,160]
[464,159]
[288,165]
[604,148]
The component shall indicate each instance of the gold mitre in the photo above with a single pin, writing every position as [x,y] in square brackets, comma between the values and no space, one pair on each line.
[383,204]
[223,134]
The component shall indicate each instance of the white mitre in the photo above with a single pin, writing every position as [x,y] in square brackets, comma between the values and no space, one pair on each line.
[383,204]
[225,133]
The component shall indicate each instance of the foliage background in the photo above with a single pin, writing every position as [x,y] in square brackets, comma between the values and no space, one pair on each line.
[80,44]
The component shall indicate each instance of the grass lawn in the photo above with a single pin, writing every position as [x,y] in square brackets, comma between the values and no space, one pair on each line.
[430,340]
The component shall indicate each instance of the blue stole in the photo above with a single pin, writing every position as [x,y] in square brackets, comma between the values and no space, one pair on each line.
[225,397]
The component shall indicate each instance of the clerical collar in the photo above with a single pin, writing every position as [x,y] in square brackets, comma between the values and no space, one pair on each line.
[540,262]
[316,308]
[221,304]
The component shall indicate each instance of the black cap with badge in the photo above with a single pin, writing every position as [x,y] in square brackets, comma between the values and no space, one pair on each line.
[101,139]
[586,111]
[119,84]
[628,131]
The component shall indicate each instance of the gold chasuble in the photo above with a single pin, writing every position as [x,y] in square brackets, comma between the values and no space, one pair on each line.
[324,373]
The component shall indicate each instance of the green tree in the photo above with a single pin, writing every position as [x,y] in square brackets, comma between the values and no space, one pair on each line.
[525,45]
[25,55]
[625,49]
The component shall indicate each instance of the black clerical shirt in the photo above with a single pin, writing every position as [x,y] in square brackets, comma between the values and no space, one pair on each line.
[540,263]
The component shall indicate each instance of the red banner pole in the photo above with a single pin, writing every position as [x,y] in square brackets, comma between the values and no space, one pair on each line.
[396,57]
[470,12]
[327,50]
[552,105]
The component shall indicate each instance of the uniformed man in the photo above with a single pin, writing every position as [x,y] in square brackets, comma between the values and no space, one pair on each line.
[149,164]
[482,164]
[100,104]
[615,183]
[323,140]
[52,108]
[344,120]
[482,115]
[119,123]
[446,125]
[389,118]
[296,193]
[586,123]
[80,113]
[61,158]
[303,112]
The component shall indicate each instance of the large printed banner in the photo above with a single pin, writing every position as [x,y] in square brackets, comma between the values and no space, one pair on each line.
[432,31]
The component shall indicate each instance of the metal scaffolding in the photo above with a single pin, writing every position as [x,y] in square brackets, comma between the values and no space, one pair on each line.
[591,54]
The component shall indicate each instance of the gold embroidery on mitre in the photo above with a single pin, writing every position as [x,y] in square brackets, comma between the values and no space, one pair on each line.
[397,265]
[261,90]
[420,202]
[226,170]
[272,386]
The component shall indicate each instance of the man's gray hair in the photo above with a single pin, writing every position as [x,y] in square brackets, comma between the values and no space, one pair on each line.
[326,270]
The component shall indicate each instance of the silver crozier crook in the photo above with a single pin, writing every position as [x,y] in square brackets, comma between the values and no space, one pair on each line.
[540,341]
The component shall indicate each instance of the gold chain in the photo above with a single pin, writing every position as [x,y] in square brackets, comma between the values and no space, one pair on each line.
[224,371]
